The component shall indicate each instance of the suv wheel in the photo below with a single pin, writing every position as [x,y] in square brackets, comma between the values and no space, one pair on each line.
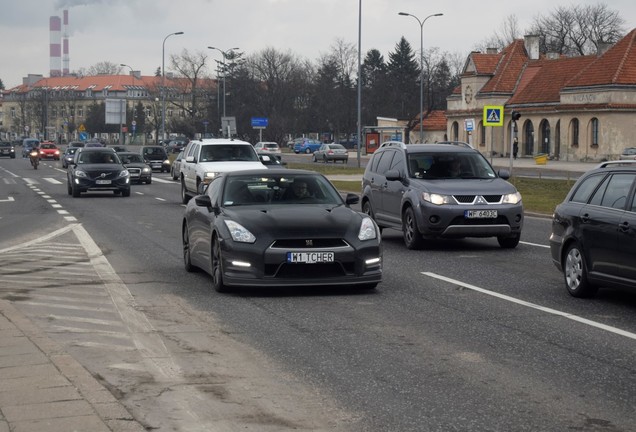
[509,242]
[575,273]
[412,236]
[184,194]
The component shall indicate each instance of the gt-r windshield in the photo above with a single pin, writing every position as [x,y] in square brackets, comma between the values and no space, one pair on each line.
[294,189]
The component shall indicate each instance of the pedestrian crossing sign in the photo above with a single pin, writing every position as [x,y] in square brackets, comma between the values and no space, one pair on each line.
[493,115]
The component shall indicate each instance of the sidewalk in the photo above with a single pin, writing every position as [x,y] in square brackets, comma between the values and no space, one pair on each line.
[42,388]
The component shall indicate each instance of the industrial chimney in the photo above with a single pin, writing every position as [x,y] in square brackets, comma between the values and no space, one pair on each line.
[65,58]
[55,28]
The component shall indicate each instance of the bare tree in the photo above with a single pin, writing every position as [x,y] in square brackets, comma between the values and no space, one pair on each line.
[508,32]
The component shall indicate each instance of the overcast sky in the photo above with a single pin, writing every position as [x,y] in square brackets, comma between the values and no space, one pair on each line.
[133,31]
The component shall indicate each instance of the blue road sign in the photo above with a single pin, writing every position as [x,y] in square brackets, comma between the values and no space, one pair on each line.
[259,122]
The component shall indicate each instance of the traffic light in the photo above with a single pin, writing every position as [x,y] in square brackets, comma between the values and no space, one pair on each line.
[516,115]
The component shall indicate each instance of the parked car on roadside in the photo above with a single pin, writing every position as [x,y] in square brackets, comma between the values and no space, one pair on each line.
[306,145]
[628,154]
[49,150]
[594,230]
[140,171]
[267,147]
[251,228]
[7,150]
[331,153]
[433,191]
[97,169]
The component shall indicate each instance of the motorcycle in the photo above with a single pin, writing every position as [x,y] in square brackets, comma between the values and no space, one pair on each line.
[34,156]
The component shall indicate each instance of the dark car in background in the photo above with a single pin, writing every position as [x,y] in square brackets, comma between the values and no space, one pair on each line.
[431,191]
[7,149]
[97,169]
[68,156]
[291,228]
[593,239]
[156,157]
[140,171]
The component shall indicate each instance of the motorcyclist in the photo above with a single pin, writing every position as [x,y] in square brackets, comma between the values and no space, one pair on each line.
[34,156]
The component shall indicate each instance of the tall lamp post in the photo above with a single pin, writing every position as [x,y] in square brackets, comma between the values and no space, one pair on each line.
[224,54]
[359,131]
[163,85]
[121,132]
[421,23]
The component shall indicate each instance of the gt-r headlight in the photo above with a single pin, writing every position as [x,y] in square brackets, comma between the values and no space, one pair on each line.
[437,199]
[367,230]
[514,198]
[239,233]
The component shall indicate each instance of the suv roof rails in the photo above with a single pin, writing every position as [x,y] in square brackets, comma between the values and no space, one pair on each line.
[457,143]
[399,144]
[616,162]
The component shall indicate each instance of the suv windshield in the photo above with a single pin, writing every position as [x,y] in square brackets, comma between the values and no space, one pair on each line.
[435,165]
[230,152]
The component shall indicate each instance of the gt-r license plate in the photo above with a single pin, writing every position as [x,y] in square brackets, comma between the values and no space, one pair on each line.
[102,182]
[480,214]
[309,257]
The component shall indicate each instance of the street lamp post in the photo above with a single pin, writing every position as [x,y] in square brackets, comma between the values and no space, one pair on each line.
[122,141]
[163,85]
[224,54]
[421,23]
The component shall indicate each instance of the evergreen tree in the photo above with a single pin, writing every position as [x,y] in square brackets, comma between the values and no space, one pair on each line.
[403,80]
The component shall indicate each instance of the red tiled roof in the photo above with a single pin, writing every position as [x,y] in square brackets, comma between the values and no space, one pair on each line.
[543,80]
[616,66]
[434,120]
[512,61]
[485,64]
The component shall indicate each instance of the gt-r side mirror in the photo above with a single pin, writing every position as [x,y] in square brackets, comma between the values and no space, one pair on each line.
[352,198]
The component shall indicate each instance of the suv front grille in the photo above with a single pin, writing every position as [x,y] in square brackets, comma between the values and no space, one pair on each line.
[477,199]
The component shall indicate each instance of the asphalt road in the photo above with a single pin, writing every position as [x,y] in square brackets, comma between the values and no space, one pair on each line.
[460,336]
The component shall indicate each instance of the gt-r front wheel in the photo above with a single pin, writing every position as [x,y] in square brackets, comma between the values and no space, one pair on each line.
[217,266]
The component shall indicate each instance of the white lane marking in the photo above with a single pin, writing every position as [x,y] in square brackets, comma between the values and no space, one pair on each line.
[52,180]
[7,200]
[535,306]
[160,180]
[159,199]
[535,244]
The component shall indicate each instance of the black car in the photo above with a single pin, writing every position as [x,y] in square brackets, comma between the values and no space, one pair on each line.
[440,191]
[140,171]
[593,240]
[156,157]
[279,227]
[68,156]
[7,149]
[97,169]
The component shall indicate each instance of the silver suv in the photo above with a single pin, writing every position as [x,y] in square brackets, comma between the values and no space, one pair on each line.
[440,191]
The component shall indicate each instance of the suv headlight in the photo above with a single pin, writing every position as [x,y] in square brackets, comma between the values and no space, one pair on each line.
[514,198]
[124,173]
[209,176]
[239,233]
[367,230]
[80,173]
[437,199]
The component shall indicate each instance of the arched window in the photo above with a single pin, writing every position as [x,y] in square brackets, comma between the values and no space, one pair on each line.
[574,132]
[594,132]
[455,131]
[482,134]
[528,137]
[545,137]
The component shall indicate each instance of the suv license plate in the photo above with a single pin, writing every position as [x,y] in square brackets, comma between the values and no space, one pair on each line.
[102,182]
[480,214]
[309,257]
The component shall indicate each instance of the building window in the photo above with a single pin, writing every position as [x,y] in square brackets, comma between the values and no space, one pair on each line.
[594,131]
[12,112]
[80,111]
[575,132]
[482,134]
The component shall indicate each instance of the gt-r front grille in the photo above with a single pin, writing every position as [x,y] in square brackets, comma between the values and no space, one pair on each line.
[477,199]
[309,243]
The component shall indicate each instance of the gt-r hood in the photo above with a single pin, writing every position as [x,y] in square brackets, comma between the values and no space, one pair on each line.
[494,186]
[290,221]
